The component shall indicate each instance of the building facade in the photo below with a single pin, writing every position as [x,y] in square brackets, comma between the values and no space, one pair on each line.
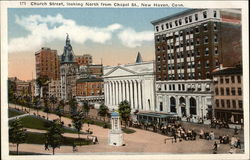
[90,90]
[85,59]
[131,82]
[47,63]
[228,102]
[188,47]
[68,72]
[55,89]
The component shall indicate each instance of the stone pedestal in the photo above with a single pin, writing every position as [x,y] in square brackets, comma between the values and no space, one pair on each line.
[115,139]
[115,134]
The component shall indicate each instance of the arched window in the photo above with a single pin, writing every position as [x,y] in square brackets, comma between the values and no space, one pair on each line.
[172,105]
[192,106]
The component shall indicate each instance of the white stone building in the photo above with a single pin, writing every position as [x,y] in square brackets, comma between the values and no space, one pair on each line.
[131,82]
[55,88]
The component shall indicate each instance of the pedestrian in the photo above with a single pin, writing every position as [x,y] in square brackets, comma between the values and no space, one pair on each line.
[74,147]
[215,147]
[46,147]
[175,138]
[238,143]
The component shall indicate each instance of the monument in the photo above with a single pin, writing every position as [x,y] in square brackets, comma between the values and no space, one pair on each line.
[115,134]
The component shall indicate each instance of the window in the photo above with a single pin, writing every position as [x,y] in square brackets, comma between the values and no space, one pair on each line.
[239,91]
[207,63]
[206,52]
[206,39]
[197,41]
[173,87]
[216,91]
[162,27]
[240,103]
[170,87]
[232,79]
[176,23]
[233,91]
[190,19]
[215,38]
[197,53]
[217,64]
[158,38]
[157,28]
[222,103]
[161,106]
[208,75]
[217,103]
[227,91]
[215,14]
[158,48]
[167,25]
[205,14]
[180,22]
[179,87]
[216,50]
[239,79]
[170,24]
[205,27]
[222,91]
[227,79]
[183,87]
[228,103]
[196,17]
[215,26]
[165,87]
[199,64]
[234,103]
[186,19]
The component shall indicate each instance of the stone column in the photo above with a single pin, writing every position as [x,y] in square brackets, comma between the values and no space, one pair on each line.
[120,91]
[116,93]
[113,93]
[131,95]
[187,105]
[127,91]
[105,93]
[123,90]
[109,94]
[178,105]
[139,95]
[136,94]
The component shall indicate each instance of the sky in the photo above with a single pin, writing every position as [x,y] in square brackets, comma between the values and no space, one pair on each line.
[111,35]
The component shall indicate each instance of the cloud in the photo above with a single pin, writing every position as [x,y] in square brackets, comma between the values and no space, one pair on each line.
[50,28]
[132,39]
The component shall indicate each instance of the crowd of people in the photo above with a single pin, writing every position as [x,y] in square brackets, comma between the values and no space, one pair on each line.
[218,124]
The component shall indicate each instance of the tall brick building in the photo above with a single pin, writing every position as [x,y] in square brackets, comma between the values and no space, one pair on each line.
[47,63]
[228,100]
[85,59]
[188,46]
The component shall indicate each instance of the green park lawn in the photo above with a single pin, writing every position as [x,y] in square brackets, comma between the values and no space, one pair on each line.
[36,123]
[14,113]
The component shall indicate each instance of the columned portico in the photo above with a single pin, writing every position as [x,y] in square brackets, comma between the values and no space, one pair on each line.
[126,83]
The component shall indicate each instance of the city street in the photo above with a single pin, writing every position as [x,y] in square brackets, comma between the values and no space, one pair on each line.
[140,141]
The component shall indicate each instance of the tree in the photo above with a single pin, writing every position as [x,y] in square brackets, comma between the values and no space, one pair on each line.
[103,111]
[54,136]
[53,100]
[124,110]
[73,106]
[77,123]
[17,133]
[62,104]
[37,103]
[46,107]
[59,112]
[86,108]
